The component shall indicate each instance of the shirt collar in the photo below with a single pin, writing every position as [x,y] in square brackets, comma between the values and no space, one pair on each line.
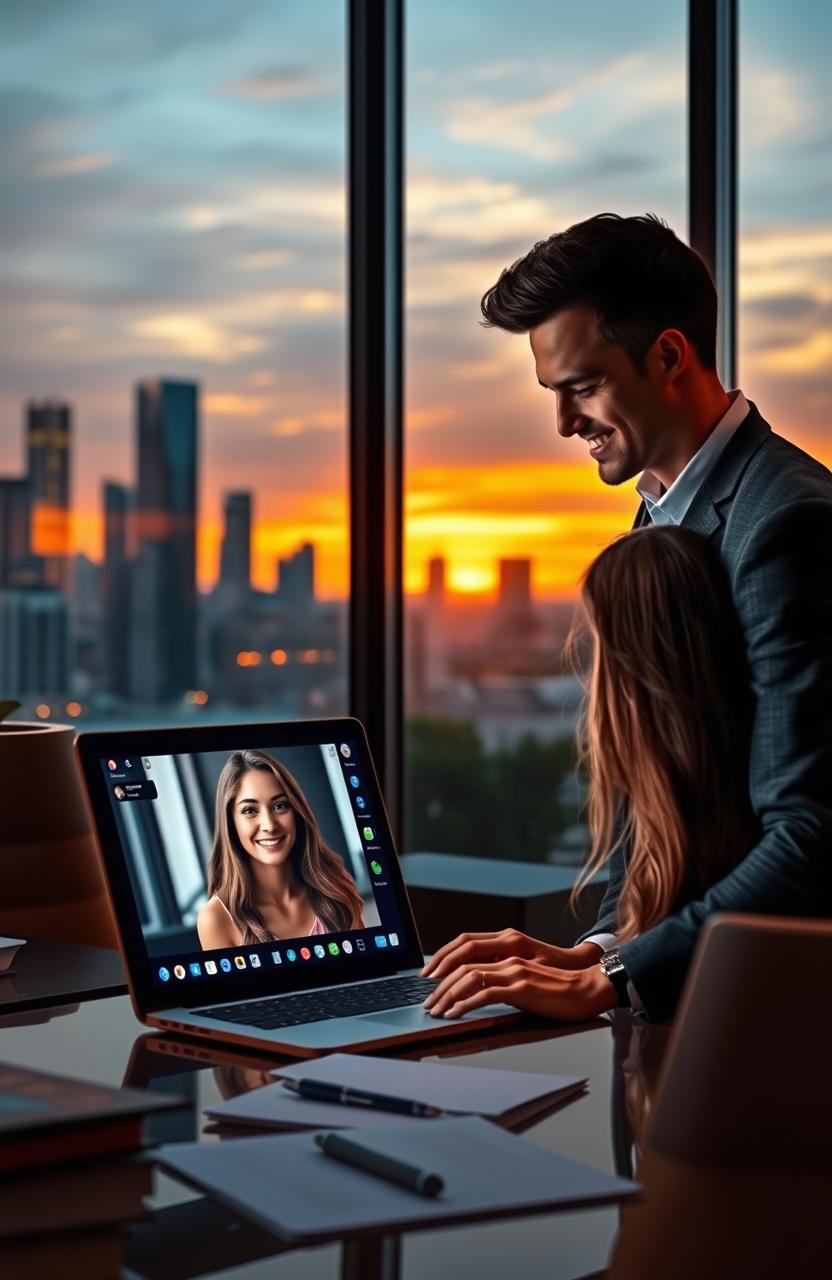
[672,505]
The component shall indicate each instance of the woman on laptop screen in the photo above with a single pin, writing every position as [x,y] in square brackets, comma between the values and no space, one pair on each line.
[271,874]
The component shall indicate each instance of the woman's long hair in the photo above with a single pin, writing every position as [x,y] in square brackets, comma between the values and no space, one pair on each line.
[330,889]
[666,724]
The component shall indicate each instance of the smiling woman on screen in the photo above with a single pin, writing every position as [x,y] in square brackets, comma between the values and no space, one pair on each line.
[271,875]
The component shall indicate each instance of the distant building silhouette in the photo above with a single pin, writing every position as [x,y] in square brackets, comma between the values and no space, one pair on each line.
[48,431]
[235,554]
[15,529]
[163,580]
[515,593]
[516,626]
[34,642]
[296,578]
[435,595]
[118,501]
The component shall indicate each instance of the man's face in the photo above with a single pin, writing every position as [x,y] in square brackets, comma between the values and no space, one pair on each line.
[623,415]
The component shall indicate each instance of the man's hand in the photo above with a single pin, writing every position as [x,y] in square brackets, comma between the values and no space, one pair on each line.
[570,995]
[485,948]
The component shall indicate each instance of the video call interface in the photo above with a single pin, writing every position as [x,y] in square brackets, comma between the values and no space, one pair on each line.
[254,859]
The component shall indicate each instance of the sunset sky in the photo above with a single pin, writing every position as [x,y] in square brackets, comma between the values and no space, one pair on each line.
[174,205]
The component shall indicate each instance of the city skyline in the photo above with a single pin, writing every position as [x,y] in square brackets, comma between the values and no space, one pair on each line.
[176,204]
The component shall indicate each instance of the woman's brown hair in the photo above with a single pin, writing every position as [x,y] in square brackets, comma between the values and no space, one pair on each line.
[331,890]
[666,726]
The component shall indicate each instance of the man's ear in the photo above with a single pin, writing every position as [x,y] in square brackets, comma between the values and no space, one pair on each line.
[671,353]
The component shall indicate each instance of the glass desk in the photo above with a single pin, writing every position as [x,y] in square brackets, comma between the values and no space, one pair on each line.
[189,1235]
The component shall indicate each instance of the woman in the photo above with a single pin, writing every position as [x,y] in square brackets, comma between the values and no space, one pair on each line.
[271,875]
[666,739]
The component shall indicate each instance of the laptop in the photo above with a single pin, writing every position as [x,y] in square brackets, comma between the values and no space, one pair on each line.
[256,887]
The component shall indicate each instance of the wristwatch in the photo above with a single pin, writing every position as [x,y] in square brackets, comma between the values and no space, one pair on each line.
[613,968]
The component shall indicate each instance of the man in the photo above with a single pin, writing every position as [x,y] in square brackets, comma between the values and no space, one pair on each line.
[621,317]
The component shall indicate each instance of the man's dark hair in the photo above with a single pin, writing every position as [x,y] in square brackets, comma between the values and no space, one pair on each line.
[635,274]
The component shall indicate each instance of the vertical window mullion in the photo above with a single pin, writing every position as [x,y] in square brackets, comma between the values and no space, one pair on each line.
[376,382]
[712,159]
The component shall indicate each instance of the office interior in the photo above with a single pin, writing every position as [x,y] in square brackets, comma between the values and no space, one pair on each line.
[261,462]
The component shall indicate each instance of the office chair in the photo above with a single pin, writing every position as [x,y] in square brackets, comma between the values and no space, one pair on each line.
[737,1158]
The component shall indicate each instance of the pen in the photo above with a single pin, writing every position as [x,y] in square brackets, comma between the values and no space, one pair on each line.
[406,1175]
[322,1091]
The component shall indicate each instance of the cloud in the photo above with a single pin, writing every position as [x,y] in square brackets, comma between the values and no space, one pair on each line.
[301,424]
[230,404]
[812,354]
[524,125]
[776,108]
[70,166]
[194,335]
[470,211]
[273,84]
[264,259]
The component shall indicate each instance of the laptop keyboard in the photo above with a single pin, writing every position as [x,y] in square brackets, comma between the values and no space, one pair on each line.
[318,1006]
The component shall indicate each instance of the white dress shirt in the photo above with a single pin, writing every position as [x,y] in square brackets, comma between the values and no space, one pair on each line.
[671,507]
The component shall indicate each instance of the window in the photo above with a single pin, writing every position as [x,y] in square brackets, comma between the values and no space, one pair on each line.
[173,536]
[519,123]
[785,249]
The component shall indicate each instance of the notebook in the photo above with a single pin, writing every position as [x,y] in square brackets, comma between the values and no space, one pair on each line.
[499,1095]
[287,1185]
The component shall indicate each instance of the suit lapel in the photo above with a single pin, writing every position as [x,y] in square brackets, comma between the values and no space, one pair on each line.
[703,515]
[642,517]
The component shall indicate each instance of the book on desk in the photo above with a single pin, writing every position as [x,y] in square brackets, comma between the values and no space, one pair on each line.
[47,1119]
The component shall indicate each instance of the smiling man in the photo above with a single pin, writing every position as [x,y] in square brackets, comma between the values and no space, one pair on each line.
[621,317]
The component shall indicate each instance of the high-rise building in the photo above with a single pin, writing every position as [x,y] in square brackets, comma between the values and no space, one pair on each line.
[15,528]
[163,581]
[48,451]
[34,643]
[428,637]
[514,601]
[435,595]
[235,553]
[115,586]
[516,625]
[296,578]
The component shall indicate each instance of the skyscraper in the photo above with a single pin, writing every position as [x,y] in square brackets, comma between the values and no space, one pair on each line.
[163,579]
[15,528]
[296,580]
[48,450]
[115,586]
[435,595]
[515,623]
[34,643]
[514,602]
[235,554]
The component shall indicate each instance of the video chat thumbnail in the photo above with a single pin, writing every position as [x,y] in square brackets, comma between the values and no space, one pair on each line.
[252,846]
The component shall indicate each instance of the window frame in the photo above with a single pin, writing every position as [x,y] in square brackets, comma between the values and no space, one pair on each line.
[376,324]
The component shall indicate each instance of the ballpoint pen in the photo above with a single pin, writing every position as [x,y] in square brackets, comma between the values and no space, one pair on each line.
[323,1091]
[340,1147]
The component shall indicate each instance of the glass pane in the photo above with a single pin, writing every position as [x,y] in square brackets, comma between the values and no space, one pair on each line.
[785,251]
[173,538]
[521,121]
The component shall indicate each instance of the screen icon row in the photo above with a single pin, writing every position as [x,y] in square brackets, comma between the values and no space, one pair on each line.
[320,950]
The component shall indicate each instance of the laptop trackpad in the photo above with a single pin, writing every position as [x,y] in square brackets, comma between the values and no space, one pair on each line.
[416,1017]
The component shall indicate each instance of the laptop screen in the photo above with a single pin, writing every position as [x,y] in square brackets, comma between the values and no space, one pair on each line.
[274,859]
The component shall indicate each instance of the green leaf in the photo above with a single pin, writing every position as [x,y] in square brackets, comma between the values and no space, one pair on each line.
[7,707]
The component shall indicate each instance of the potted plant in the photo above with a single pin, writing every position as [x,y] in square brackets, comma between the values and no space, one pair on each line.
[51,884]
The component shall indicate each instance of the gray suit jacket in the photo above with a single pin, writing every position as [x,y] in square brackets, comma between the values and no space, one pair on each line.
[767,508]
